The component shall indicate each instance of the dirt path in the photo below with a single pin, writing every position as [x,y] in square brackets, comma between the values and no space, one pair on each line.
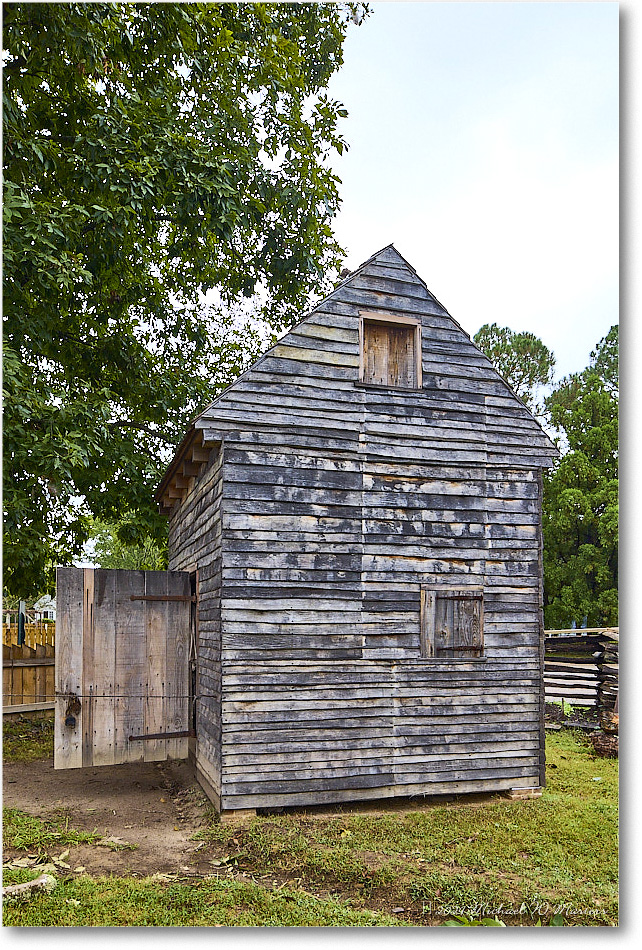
[155,806]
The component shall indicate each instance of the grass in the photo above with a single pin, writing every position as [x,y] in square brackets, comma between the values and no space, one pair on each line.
[24,740]
[116,902]
[35,834]
[520,862]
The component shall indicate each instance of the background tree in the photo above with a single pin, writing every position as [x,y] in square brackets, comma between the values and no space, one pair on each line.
[580,518]
[152,153]
[108,550]
[521,359]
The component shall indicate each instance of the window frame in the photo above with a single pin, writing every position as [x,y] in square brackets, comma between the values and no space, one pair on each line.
[367,316]
[428,610]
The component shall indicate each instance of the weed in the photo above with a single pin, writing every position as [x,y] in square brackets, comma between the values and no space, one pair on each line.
[464,921]
[459,858]
[523,863]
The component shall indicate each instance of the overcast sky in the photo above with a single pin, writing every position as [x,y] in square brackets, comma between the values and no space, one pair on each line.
[484,145]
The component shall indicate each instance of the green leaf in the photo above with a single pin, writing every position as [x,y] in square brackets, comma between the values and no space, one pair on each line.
[135,207]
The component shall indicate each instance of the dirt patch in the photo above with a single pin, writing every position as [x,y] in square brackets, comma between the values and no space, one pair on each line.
[155,807]
[577,715]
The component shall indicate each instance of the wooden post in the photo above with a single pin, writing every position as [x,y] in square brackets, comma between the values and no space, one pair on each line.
[21,623]
[541,644]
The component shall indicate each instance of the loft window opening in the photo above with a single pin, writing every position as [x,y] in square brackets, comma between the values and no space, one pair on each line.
[390,351]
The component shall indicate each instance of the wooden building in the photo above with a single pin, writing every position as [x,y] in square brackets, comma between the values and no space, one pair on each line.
[362,512]
[355,575]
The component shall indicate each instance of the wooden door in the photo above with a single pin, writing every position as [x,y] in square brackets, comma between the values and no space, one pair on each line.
[122,681]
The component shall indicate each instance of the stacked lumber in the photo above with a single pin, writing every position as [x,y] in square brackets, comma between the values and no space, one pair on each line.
[608,688]
[571,667]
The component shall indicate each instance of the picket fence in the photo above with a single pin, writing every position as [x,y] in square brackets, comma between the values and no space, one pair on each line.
[38,633]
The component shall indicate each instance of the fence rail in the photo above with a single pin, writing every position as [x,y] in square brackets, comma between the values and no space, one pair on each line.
[581,666]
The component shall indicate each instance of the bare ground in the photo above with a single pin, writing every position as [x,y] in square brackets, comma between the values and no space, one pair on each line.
[156,807]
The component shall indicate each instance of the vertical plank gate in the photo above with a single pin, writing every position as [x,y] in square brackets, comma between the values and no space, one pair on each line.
[122,650]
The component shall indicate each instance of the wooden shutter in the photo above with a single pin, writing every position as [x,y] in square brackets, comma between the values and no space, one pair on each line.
[452,622]
[389,357]
[401,361]
[375,350]
[122,645]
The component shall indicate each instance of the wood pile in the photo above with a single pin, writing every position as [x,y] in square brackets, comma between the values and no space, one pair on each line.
[608,689]
[571,667]
[605,744]
[581,666]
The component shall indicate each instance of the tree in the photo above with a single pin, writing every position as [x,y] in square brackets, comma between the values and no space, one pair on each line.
[111,552]
[580,511]
[153,153]
[605,360]
[520,358]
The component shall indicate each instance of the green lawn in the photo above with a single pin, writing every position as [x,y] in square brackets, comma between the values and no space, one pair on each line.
[522,862]
[24,740]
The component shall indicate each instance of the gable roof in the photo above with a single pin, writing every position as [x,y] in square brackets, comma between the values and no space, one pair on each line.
[319,356]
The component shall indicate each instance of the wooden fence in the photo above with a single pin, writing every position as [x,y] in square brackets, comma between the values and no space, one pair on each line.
[27,677]
[39,633]
[581,666]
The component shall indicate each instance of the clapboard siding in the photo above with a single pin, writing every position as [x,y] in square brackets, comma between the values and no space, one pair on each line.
[314,529]
[195,542]
[380,727]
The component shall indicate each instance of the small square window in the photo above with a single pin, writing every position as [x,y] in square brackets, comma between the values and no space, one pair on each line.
[390,353]
[452,622]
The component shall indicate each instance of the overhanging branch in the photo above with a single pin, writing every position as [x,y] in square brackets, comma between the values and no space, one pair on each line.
[126,424]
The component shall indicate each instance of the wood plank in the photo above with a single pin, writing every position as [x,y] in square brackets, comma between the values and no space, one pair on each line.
[68,666]
[130,666]
[50,689]
[7,687]
[40,674]
[28,686]
[156,613]
[337,796]
[88,659]
[176,713]
[275,754]
[104,666]
[286,351]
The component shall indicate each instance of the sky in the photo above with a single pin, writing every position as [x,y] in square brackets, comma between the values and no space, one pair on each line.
[484,144]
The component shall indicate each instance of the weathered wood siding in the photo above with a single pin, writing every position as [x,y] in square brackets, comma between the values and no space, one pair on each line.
[339,501]
[195,543]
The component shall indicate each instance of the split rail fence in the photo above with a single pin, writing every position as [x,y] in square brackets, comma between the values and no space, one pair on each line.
[581,666]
